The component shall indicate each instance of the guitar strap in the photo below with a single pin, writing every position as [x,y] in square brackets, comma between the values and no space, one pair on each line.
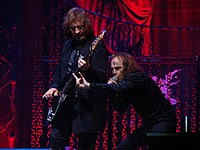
[72,63]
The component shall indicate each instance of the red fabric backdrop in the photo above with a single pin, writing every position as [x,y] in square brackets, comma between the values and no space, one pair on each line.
[175,13]
[133,11]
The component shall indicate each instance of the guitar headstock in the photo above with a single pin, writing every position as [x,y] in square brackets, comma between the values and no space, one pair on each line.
[94,44]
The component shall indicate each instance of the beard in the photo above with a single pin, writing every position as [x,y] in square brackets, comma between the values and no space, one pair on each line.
[79,37]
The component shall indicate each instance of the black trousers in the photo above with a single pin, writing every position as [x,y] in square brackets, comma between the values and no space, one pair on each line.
[138,138]
[60,138]
[62,130]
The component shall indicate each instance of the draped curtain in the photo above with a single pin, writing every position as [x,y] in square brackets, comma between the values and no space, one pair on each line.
[127,11]
[137,15]
[180,24]
[176,13]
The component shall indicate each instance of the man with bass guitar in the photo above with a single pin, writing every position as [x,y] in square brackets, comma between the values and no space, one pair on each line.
[78,110]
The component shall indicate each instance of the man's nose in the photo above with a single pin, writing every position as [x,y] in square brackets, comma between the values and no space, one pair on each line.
[114,72]
[77,30]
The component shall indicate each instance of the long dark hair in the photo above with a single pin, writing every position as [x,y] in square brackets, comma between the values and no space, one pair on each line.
[77,15]
[129,63]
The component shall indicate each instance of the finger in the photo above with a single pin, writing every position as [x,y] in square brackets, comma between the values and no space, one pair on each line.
[56,93]
[82,77]
[82,61]
[77,79]
[109,82]
[44,96]
[75,76]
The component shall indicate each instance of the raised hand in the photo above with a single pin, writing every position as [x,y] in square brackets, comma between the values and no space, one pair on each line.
[81,82]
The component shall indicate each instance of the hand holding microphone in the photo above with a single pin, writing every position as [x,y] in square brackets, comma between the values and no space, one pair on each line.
[112,80]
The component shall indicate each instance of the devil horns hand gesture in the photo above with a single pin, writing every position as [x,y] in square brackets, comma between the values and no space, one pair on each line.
[81,82]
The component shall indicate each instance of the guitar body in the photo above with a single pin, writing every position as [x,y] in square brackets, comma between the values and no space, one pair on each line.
[61,107]
[55,109]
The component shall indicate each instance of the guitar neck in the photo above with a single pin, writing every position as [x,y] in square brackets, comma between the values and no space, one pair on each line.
[68,83]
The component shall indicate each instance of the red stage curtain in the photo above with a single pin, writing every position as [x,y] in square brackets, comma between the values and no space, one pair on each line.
[183,17]
[176,13]
[160,13]
[134,11]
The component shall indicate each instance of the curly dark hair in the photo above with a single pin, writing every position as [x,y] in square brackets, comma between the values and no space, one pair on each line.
[77,15]
[129,63]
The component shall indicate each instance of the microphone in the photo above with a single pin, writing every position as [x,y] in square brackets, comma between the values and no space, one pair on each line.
[114,78]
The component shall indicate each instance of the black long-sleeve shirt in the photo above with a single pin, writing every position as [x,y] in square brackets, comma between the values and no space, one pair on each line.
[143,94]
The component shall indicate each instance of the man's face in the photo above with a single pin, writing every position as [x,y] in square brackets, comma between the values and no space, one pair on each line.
[77,30]
[117,67]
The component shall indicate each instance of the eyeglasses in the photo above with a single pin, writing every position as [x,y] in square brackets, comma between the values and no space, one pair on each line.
[81,27]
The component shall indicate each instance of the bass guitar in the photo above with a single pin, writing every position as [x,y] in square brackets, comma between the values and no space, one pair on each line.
[52,112]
